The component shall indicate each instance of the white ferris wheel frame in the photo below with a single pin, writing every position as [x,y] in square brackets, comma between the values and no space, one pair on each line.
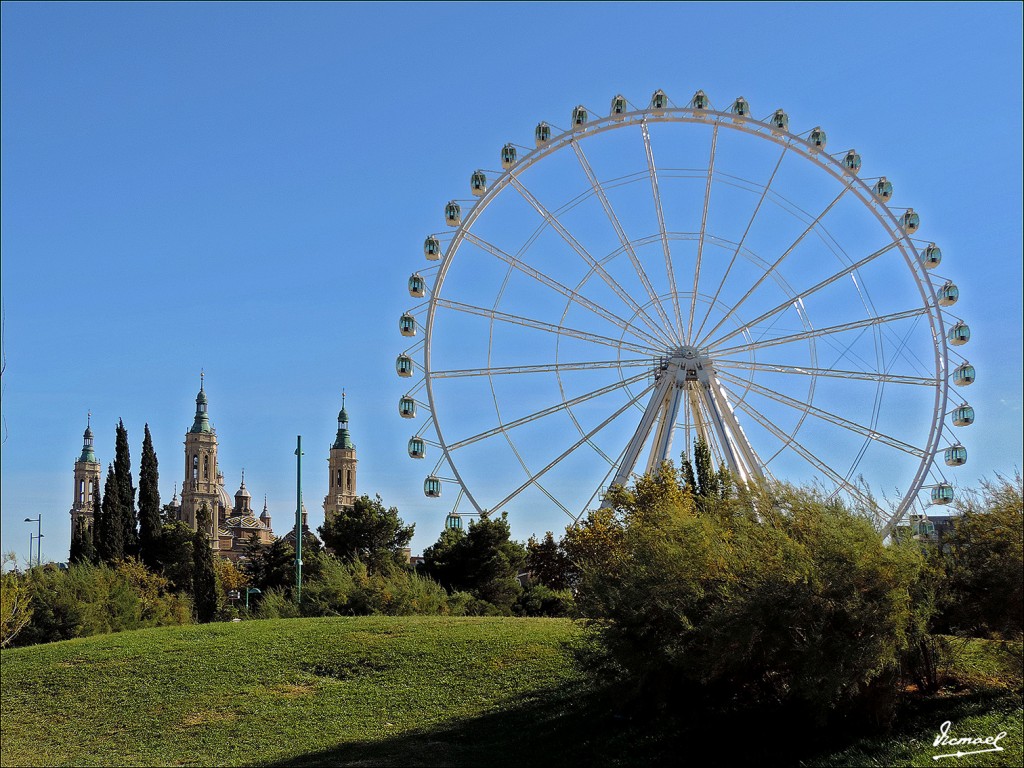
[850,182]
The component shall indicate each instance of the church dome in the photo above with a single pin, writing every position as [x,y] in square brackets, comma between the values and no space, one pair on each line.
[202,420]
[242,491]
[222,495]
[88,454]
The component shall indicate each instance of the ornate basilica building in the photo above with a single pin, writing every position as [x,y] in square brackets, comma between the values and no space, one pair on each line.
[230,523]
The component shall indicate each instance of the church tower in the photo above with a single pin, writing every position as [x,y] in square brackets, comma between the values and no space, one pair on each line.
[200,486]
[87,482]
[342,469]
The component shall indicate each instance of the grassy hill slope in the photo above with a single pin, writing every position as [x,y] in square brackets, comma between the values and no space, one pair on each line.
[414,691]
[268,691]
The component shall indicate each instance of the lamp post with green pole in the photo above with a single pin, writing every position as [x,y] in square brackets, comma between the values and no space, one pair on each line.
[251,591]
[298,521]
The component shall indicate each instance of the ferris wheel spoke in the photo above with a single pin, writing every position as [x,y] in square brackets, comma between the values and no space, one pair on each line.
[703,229]
[532,480]
[815,333]
[561,288]
[544,412]
[790,442]
[739,245]
[582,252]
[789,302]
[801,370]
[549,368]
[832,418]
[602,487]
[617,226]
[558,330]
[669,270]
[526,469]
[771,270]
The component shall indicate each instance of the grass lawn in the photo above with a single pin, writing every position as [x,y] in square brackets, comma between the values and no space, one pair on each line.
[267,691]
[411,691]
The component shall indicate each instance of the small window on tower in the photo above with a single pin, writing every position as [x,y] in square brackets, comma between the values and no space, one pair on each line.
[81,491]
[195,468]
[348,480]
[206,467]
[338,483]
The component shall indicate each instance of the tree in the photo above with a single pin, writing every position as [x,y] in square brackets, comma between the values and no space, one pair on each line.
[149,504]
[15,601]
[368,532]
[548,563]
[174,555]
[270,566]
[484,562]
[983,557]
[442,560]
[204,576]
[110,543]
[82,549]
[125,492]
[94,532]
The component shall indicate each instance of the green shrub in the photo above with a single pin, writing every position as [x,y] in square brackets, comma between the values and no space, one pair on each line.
[275,604]
[983,560]
[541,600]
[90,599]
[773,597]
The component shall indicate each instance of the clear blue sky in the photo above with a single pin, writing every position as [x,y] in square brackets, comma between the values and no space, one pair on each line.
[245,188]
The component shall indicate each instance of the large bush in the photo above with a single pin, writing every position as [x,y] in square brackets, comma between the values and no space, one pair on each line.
[983,560]
[339,588]
[95,599]
[772,597]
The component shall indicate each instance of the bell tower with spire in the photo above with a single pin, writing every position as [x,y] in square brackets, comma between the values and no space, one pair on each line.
[200,486]
[87,481]
[341,469]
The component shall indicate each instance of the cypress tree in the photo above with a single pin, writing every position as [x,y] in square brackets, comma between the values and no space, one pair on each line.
[689,478]
[110,546]
[204,577]
[125,492]
[82,550]
[75,555]
[149,504]
[88,548]
[707,477]
[95,533]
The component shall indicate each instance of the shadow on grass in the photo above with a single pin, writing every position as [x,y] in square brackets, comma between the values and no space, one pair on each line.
[574,725]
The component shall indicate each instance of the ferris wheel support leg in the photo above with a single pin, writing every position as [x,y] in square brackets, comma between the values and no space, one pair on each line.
[643,431]
[740,456]
[661,449]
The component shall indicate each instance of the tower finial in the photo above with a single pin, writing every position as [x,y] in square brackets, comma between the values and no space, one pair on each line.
[88,419]
[202,376]
[342,397]
[243,477]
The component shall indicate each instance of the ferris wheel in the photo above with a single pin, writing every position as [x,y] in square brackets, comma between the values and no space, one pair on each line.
[637,280]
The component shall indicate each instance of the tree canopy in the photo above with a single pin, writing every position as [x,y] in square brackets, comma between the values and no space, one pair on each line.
[367,531]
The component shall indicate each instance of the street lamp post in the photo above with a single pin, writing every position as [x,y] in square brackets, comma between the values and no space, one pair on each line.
[298,521]
[38,520]
[250,591]
[39,558]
